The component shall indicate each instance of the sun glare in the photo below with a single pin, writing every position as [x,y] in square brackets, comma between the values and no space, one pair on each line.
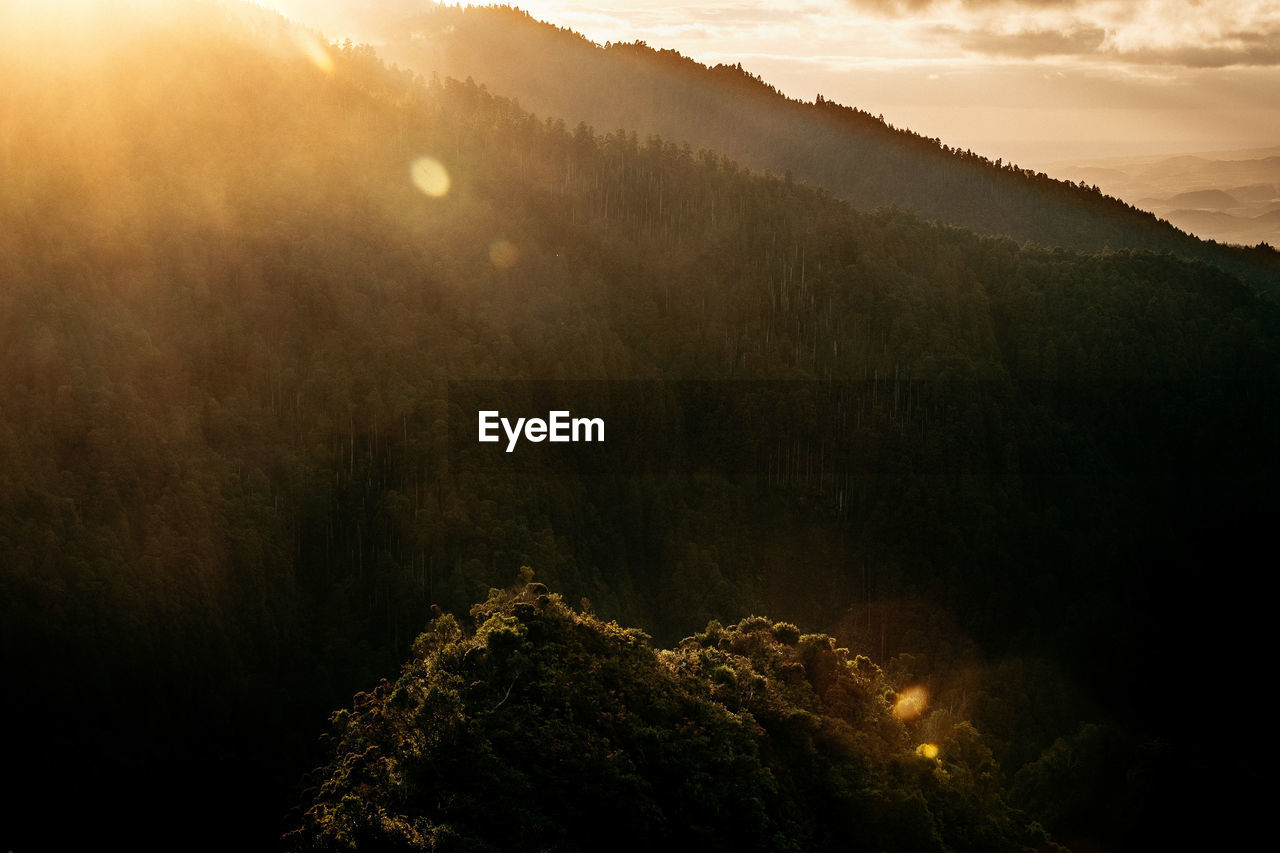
[430,176]
[911,703]
[317,52]
[64,22]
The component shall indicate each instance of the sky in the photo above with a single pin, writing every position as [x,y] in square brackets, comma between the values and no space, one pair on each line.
[1031,81]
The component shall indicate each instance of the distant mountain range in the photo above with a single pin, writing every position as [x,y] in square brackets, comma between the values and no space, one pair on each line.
[1228,196]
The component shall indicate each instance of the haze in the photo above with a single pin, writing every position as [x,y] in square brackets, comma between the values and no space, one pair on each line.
[1033,81]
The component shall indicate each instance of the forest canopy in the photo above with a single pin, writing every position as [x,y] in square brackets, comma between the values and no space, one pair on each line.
[548,728]
[234,293]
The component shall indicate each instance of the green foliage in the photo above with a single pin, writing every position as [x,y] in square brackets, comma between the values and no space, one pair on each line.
[228,319]
[549,728]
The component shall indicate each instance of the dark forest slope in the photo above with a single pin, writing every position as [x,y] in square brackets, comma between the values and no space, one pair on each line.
[857,156]
[229,320]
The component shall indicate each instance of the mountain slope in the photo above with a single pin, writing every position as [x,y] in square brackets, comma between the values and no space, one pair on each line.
[633,87]
[237,295]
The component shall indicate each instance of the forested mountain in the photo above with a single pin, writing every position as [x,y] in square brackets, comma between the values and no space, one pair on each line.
[853,154]
[242,274]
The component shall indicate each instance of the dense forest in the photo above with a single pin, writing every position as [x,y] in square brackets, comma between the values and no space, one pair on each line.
[243,275]
[751,737]
[855,155]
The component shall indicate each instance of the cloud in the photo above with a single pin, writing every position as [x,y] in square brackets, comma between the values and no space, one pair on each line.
[891,8]
[1033,43]
[1174,33]
[1253,51]
[896,8]
[1091,42]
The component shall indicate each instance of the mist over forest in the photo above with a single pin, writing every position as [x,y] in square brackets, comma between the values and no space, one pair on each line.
[938,528]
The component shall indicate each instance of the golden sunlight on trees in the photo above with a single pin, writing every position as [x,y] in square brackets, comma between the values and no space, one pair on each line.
[316,51]
[234,293]
[911,703]
[746,737]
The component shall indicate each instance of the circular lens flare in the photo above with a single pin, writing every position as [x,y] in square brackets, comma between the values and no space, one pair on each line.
[503,254]
[430,176]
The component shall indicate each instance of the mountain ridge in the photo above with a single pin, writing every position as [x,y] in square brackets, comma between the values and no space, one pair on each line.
[558,73]
[230,323]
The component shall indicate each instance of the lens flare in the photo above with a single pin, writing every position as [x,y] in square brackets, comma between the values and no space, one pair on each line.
[503,254]
[317,52]
[429,175]
[928,750]
[911,703]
